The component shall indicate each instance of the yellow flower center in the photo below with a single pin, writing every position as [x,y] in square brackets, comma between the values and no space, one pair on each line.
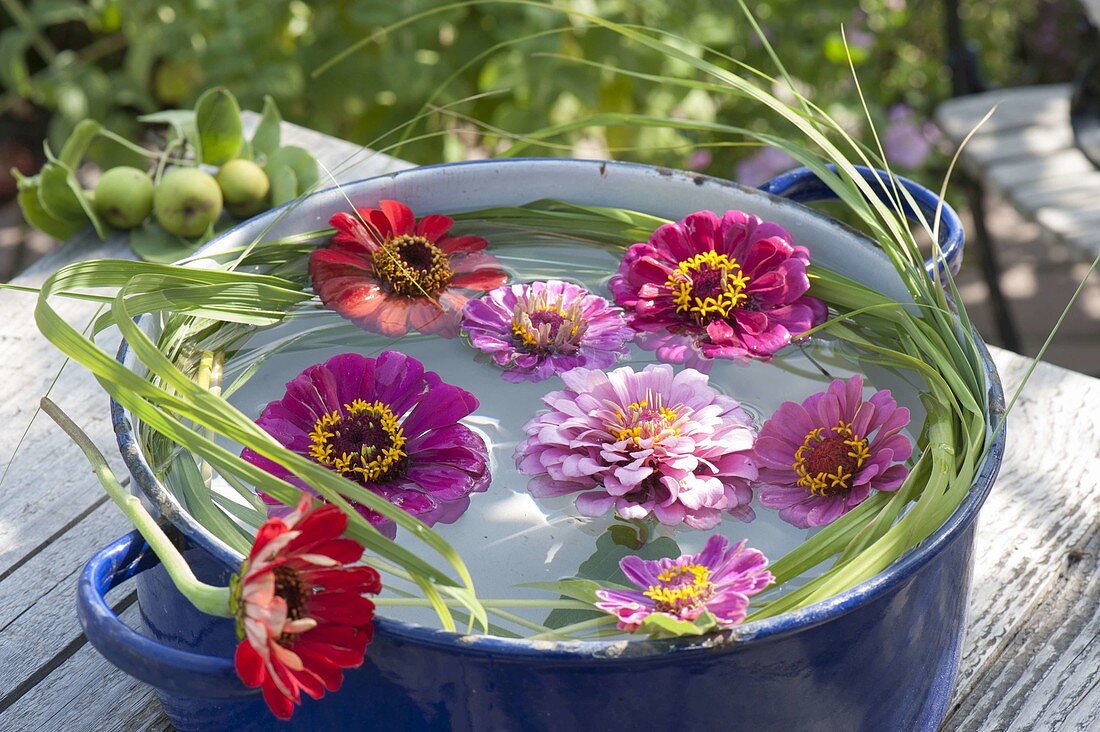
[365,443]
[647,419]
[540,323]
[680,588]
[827,460]
[708,285]
[412,266]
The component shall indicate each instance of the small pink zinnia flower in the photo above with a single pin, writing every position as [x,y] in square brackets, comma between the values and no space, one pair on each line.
[389,273]
[821,458]
[706,287]
[537,330]
[644,443]
[302,617]
[720,580]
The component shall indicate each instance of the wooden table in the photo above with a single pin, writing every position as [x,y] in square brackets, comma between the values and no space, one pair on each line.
[1032,651]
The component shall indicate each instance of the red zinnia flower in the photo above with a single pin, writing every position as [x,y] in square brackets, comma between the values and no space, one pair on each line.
[390,273]
[301,614]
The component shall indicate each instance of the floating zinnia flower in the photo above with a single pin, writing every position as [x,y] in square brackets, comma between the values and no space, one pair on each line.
[535,331]
[719,580]
[390,273]
[302,617]
[386,424]
[821,458]
[645,442]
[732,287]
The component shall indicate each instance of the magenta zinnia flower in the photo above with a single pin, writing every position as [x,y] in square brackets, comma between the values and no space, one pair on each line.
[708,287]
[390,273]
[535,331]
[646,442]
[821,458]
[386,424]
[720,580]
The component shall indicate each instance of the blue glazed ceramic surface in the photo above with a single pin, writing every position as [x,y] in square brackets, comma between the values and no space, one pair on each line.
[881,656]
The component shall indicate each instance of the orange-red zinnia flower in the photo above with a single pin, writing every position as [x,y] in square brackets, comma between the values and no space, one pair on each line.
[302,617]
[390,273]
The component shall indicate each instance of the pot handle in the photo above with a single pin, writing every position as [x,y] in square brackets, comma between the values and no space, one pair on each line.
[803,186]
[177,671]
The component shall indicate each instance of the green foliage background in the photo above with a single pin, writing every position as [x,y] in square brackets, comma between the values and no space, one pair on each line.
[112,59]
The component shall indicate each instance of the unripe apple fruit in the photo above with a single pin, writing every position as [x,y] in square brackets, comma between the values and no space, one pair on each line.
[187,202]
[244,186]
[124,197]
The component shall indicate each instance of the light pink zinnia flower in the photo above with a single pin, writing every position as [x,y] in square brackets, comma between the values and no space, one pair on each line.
[720,579]
[821,458]
[645,442]
[536,330]
[732,287]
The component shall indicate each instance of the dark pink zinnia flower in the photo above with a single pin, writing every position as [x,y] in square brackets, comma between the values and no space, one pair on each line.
[302,614]
[719,580]
[731,287]
[387,424]
[389,273]
[821,458]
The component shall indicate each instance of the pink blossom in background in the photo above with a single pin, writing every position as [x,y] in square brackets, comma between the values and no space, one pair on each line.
[908,141]
[763,166]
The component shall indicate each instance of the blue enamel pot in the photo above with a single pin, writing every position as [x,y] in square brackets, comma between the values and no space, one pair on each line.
[881,656]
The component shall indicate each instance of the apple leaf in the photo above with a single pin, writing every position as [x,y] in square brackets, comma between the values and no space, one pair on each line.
[153,244]
[265,140]
[218,119]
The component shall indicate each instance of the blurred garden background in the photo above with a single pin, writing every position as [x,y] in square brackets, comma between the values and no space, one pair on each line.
[493,71]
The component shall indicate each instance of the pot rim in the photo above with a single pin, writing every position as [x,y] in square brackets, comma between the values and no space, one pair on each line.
[769,629]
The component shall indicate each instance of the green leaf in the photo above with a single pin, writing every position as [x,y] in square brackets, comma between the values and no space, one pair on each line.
[572,588]
[182,121]
[218,118]
[42,219]
[265,140]
[661,625]
[13,61]
[284,186]
[153,244]
[300,162]
[62,197]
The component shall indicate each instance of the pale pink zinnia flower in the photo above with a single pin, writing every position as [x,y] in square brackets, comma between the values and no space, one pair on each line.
[707,287]
[719,580]
[821,458]
[536,330]
[642,443]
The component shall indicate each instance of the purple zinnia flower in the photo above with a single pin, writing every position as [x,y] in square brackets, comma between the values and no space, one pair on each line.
[707,287]
[821,458]
[719,580]
[535,331]
[642,442]
[386,424]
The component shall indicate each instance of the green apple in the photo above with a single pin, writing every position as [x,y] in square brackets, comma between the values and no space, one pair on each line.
[123,197]
[187,202]
[244,186]
[175,79]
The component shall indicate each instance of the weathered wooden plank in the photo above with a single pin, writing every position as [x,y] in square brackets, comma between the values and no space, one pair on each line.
[1068,166]
[1049,675]
[1016,107]
[37,621]
[1045,502]
[1017,145]
[86,693]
